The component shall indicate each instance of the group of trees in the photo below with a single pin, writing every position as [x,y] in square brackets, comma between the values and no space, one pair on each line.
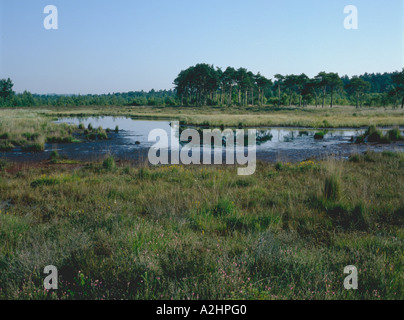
[6,89]
[204,84]
[8,98]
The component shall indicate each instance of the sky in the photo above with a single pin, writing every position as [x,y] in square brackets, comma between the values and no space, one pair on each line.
[131,45]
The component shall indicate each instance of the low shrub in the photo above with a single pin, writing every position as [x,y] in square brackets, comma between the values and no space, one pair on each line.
[372,134]
[394,135]
[3,164]
[61,140]
[54,156]
[109,163]
[355,158]
[97,136]
[30,136]
[279,166]
[319,135]
[6,146]
[4,136]
[223,207]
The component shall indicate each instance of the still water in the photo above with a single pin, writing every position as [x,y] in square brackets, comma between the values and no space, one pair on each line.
[132,143]
[131,132]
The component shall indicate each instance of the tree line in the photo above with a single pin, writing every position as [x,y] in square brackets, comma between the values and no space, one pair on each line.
[8,98]
[205,85]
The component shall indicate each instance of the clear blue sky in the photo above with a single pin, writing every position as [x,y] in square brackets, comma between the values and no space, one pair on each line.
[127,45]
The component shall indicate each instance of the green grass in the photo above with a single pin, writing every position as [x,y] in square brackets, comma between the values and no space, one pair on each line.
[202,232]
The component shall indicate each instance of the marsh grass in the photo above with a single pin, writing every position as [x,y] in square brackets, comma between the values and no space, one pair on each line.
[202,232]
[332,188]
[373,134]
[30,131]
[242,117]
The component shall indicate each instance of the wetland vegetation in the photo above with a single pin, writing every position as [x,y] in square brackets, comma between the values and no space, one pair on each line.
[176,232]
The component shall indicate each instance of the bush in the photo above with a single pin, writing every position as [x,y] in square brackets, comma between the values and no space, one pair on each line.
[360,139]
[326,124]
[109,163]
[60,140]
[332,188]
[373,134]
[30,136]
[6,146]
[4,136]
[224,207]
[370,156]
[346,217]
[97,136]
[45,181]
[81,126]
[319,135]
[3,164]
[54,156]
[279,166]
[102,135]
[394,135]
[355,158]
[390,154]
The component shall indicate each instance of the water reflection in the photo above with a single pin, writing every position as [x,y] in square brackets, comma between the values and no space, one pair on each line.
[132,132]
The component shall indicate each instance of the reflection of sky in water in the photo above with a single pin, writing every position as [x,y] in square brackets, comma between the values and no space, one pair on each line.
[287,138]
[132,131]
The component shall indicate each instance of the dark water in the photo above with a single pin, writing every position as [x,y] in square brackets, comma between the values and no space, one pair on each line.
[273,144]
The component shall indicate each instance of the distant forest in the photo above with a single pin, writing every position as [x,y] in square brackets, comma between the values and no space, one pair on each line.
[205,85]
